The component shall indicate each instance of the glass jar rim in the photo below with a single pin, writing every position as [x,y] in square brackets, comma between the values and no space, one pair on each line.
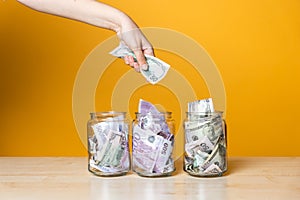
[107,113]
[205,113]
[160,113]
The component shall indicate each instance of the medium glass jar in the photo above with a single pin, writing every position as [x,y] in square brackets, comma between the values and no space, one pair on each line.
[108,150]
[205,144]
[153,144]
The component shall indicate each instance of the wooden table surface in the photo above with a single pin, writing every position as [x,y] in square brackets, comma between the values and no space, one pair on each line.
[67,178]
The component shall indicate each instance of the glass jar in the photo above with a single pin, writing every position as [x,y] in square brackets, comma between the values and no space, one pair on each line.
[108,150]
[205,144]
[153,144]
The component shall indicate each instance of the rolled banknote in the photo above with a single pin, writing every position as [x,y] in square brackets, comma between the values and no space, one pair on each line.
[201,106]
[157,69]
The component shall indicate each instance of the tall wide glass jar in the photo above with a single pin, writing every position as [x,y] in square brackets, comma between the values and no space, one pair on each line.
[205,144]
[108,147]
[153,144]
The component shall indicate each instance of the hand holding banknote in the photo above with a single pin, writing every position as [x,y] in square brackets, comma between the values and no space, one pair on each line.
[157,69]
[138,44]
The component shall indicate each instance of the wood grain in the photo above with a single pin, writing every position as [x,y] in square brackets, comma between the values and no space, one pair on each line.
[68,178]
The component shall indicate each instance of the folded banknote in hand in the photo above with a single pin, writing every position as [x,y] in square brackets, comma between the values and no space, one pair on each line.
[157,69]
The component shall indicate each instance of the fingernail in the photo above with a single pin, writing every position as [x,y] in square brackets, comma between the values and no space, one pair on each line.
[144,67]
[126,60]
[136,67]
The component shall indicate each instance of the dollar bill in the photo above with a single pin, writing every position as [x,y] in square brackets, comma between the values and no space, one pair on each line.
[213,169]
[217,157]
[208,129]
[157,69]
[193,131]
[211,127]
[204,106]
[199,159]
[203,145]
[193,163]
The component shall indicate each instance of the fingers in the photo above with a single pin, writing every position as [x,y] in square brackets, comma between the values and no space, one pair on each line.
[136,67]
[126,59]
[134,39]
[129,60]
[141,60]
[149,51]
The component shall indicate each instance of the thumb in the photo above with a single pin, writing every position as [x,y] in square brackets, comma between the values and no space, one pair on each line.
[141,59]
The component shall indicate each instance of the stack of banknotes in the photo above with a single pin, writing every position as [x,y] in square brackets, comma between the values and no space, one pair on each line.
[205,140]
[152,142]
[157,69]
[108,146]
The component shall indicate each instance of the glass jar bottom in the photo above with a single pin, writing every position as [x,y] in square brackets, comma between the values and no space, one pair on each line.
[145,174]
[107,174]
[205,174]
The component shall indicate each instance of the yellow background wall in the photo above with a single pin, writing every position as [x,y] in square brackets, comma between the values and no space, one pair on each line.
[255,44]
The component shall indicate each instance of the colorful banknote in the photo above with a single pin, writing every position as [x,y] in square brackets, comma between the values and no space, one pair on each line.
[157,69]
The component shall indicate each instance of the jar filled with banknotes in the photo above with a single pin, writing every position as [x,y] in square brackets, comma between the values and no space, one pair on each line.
[153,144]
[108,148]
[205,144]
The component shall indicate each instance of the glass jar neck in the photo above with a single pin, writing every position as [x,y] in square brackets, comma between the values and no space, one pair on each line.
[204,114]
[108,115]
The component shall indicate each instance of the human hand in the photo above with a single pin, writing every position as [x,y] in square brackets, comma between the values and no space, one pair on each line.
[133,37]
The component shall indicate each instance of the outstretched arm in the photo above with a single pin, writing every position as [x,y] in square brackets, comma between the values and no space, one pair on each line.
[100,15]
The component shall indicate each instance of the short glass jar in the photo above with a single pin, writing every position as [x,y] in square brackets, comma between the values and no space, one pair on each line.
[205,144]
[153,144]
[108,149]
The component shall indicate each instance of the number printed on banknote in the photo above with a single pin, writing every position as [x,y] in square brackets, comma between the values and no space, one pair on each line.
[157,69]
